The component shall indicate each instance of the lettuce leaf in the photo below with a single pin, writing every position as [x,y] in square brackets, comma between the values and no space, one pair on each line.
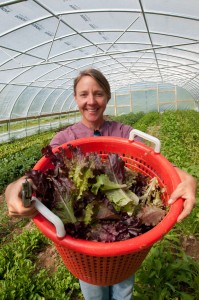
[152,193]
[96,197]
[121,198]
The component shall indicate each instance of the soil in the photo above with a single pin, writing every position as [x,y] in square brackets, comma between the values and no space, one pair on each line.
[47,259]
[191,246]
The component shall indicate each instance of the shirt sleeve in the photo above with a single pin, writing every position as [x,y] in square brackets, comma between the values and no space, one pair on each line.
[126,132]
[123,130]
[62,137]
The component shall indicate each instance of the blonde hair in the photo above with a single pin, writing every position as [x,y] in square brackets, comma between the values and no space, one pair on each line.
[98,76]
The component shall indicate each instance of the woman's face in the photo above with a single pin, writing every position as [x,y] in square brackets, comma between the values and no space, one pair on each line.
[91,100]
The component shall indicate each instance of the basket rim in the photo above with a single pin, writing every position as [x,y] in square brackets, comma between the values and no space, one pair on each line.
[135,244]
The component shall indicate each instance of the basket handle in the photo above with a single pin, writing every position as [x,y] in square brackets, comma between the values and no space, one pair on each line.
[50,216]
[147,137]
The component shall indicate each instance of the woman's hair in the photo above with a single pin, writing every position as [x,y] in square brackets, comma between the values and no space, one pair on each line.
[98,76]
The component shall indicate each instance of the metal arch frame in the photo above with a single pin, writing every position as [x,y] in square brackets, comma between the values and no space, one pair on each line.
[48,95]
[110,54]
[15,103]
[35,95]
[27,87]
[99,56]
[56,99]
[41,89]
[71,50]
[65,102]
[30,86]
[76,12]
[74,49]
[10,2]
[31,100]
[70,103]
[129,51]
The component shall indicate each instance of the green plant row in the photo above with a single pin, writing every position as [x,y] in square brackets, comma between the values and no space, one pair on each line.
[129,119]
[15,165]
[19,156]
[178,132]
[21,277]
[24,143]
[167,272]
[148,120]
[179,136]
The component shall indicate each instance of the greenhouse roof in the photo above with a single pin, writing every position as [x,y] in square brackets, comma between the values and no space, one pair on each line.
[45,43]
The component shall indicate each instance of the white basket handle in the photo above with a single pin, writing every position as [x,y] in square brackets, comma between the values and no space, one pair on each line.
[147,137]
[50,216]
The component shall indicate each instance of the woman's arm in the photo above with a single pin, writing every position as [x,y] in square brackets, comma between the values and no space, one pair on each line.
[187,191]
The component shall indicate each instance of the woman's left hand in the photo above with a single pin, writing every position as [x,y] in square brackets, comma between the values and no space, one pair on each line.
[187,191]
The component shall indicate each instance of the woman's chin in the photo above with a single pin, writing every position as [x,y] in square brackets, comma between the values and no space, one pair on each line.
[92,117]
[95,120]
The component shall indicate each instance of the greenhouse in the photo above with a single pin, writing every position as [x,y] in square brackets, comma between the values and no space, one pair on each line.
[126,201]
[148,50]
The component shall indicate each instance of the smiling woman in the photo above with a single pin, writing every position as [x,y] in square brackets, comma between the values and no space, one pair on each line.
[91,101]
[92,92]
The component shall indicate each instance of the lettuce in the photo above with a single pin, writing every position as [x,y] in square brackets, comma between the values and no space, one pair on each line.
[121,198]
[98,199]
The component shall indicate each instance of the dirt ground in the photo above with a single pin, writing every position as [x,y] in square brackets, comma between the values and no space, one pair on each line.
[191,246]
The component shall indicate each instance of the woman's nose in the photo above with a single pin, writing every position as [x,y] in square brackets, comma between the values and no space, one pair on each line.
[91,99]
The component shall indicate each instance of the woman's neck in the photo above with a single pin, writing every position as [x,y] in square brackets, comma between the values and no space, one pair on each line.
[93,126]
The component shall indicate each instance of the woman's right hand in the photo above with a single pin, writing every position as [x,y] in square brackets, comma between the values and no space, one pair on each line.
[14,201]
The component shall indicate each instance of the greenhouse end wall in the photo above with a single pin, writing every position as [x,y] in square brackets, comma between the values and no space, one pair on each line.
[153,97]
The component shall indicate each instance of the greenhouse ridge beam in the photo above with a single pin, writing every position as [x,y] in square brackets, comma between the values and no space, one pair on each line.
[104,54]
[11,2]
[149,34]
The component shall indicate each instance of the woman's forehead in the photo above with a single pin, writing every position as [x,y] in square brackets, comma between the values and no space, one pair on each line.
[87,82]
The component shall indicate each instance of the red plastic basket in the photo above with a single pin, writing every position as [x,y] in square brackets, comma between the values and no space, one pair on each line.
[109,263]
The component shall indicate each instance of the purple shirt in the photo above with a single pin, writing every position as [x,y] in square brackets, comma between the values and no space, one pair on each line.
[79,130]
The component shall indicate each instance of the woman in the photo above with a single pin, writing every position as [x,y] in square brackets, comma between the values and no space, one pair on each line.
[92,93]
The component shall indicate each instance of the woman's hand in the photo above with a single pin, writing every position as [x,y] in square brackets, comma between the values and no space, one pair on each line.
[187,191]
[14,201]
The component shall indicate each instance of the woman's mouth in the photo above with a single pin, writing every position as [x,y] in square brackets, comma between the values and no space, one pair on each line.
[93,110]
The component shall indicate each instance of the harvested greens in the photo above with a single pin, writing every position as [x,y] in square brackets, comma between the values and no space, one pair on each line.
[98,199]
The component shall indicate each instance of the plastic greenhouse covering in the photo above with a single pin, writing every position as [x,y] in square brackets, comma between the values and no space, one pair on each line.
[148,50]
